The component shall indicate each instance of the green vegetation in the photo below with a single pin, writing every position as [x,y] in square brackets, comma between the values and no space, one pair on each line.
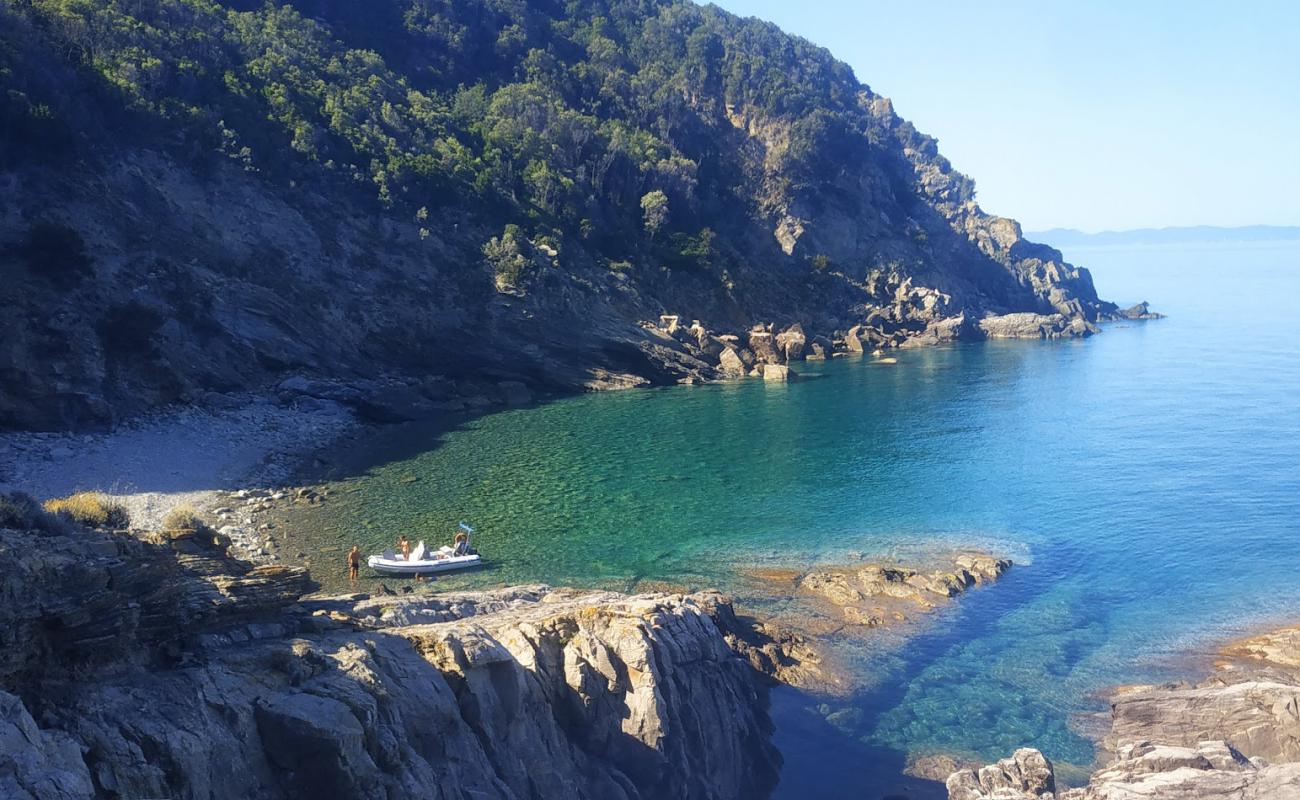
[587,118]
[504,254]
[91,509]
[654,208]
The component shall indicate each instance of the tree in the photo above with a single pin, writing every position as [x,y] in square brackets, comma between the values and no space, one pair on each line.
[506,258]
[654,205]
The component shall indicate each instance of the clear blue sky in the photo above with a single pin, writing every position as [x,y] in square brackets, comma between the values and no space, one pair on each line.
[1091,115]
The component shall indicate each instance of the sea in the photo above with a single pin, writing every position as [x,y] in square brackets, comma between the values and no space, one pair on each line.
[1145,481]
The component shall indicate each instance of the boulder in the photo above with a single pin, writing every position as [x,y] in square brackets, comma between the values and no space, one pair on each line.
[1027,775]
[777,373]
[1258,717]
[763,346]
[731,364]
[852,340]
[1027,325]
[820,348]
[790,343]
[1140,311]
[1212,770]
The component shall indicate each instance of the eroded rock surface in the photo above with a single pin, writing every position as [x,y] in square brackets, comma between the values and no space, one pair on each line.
[1212,770]
[875,594]
[137,669]
[1235,736]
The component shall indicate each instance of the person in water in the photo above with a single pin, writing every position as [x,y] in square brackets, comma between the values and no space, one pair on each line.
[354,563]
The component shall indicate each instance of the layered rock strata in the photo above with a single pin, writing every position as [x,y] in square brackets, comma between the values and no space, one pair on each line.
[1235,736]
[134,669]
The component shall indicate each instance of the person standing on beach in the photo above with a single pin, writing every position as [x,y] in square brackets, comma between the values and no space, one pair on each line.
[354,563]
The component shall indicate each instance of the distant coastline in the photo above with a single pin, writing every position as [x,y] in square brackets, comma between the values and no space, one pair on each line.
[1195,234]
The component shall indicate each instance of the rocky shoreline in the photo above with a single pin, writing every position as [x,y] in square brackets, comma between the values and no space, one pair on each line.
[526,691]
[1233,736]
[108,638]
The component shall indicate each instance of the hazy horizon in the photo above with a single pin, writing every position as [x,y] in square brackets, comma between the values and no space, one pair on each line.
[1097,118]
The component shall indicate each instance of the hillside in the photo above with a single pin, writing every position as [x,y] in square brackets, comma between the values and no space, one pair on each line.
[206,197]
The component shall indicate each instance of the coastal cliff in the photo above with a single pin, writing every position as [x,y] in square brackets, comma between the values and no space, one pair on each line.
[155,666]
[416,203]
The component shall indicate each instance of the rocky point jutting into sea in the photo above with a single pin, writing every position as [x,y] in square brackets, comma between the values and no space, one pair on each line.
[138,665]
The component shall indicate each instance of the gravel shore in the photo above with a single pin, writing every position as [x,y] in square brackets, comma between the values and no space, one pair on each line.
[177,456]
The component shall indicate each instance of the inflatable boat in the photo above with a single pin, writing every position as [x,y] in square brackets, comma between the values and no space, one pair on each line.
[424,561]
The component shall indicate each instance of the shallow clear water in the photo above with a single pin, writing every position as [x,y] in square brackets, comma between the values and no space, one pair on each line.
[1147,480]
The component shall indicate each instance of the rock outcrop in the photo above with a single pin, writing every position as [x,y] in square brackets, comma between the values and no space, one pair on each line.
[875,594]
[1234,737]
[1211,770]
[232,234]
[133,669]
[816,621]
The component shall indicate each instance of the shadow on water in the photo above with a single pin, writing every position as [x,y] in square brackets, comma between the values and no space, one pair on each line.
[836,747]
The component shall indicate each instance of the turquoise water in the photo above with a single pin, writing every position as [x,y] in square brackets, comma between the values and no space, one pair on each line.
[1146,480]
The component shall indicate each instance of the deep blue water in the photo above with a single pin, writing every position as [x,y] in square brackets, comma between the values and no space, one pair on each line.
[1152,473]
[1147,480]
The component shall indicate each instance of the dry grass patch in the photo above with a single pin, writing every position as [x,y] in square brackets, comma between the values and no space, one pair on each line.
[183,519]
[92,509]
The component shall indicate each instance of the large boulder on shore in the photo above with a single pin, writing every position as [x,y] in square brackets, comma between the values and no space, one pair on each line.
[852,340]
[1027,775]
[777,373]
[1027,325]
[731,364]
[763,345]
[790,343]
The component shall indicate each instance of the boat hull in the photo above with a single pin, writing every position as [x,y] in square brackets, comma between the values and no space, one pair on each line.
[428,566]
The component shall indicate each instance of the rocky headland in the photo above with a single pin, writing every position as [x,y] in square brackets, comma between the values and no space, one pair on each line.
[233,235]
[827,612]
[1232,736]
[154,665]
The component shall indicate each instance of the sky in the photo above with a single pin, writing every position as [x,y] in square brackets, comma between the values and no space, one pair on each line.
[1099,115]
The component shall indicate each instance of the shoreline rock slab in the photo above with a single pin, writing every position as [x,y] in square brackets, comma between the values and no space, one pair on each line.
[1234,737]
[521,693]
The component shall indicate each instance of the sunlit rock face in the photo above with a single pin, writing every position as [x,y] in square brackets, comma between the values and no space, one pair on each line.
[471,210]
[1234,737]
[163,669]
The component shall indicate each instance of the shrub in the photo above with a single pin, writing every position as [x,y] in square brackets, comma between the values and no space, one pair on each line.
[92,509]
[183,518]
[505,256]
[18,511]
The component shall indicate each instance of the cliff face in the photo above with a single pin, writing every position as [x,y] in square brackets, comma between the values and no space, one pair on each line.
[207,197]
[136,669]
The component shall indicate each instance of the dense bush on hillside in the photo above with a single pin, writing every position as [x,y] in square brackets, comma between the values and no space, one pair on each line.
[212,194]
[567,112]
